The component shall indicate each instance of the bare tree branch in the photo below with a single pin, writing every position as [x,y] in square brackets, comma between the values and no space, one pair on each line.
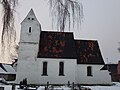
[8,19]
[8,31]
[66,12]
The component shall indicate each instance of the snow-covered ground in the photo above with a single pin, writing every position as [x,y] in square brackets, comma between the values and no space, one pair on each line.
[6,87]
[115,86]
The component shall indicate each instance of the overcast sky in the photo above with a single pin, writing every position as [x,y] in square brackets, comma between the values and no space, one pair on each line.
[101,22]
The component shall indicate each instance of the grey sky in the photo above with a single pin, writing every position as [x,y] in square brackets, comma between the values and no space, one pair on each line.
[101,22]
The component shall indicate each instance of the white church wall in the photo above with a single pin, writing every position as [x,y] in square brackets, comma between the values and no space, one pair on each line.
[29,39]
[32,36]
[27,51]
[98,76]
[53,71]
[27,69]
[32,70]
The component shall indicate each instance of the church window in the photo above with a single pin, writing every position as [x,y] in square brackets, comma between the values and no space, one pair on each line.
[32,18]
[44,69]
[30,29]
[89,71]
[61,68]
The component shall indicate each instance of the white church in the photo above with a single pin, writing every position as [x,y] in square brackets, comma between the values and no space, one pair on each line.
[56,57]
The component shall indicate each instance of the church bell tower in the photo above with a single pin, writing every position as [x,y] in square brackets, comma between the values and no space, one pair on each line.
[28,48]
[29,37]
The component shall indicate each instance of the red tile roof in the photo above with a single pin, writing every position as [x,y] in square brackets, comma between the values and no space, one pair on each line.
[88,52]
[63,45]
[56,45]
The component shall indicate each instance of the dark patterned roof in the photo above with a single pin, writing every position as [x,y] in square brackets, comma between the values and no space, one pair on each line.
[63,45]
[88,52]
[56,45]
[110,67]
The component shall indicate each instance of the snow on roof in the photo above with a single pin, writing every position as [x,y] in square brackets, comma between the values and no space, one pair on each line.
[7,68]
[1,70]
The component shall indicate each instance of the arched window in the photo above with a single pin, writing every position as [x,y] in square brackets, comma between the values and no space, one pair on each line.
[61,68]
[30,29]
[89,71]
[44,69]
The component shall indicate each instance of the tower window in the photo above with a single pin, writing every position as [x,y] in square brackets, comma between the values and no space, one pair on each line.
[32,18]
[30,29]
[28,18]
[44,69]
[61,68]
[89,71]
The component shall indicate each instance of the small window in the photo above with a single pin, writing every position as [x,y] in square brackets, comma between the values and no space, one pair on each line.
[30,29]
[61,68]
[28,18]
[32,18]
[44,69]
[89,71]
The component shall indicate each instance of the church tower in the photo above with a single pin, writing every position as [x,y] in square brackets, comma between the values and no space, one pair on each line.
[28,48]
[29,37]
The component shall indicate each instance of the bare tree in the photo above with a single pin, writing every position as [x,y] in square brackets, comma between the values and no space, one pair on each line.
[64,12]
[8,31]
[8,19]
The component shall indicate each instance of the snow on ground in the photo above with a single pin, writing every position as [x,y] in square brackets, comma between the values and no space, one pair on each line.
[115,86]
[6,87]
